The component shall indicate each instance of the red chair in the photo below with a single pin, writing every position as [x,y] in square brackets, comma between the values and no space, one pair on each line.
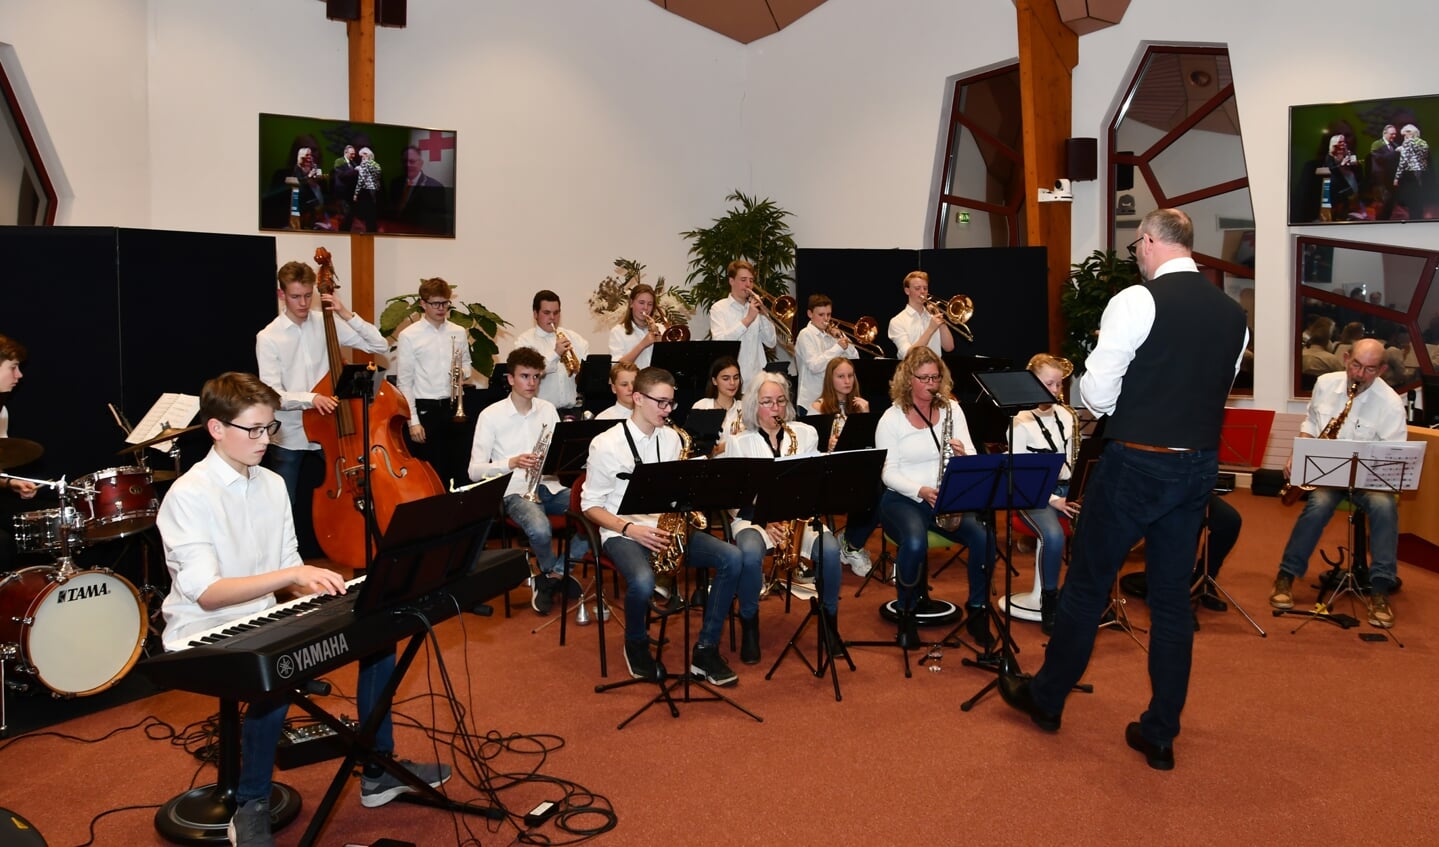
[1025,606]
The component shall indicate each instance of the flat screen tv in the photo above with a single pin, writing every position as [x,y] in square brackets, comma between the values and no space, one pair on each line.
[1363,162]
[327,175]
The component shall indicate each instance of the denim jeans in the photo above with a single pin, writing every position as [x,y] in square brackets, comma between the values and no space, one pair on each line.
[752,546]
[1383,511]
[1134,494]
[1050,551]
[533,520]
[290,465]
[704,551]
[264,721]
[908,523]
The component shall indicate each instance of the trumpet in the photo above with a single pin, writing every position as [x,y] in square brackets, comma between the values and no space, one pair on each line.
[457,382]
[956,312]
[667,332]
[861,334]
[532,482]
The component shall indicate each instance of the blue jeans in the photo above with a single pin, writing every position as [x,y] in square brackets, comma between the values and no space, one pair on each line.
[533,520]
[1383,511]
[704,551]
[264,721]
[1050,552]
[752,546]
[1134,494]
[290,465]
[909,523]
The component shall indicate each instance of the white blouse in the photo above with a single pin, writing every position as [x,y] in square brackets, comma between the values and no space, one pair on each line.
[913,458]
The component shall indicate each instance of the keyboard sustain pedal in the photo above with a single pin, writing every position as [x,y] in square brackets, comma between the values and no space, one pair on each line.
[308,744]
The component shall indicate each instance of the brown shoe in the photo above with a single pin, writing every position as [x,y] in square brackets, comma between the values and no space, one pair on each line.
[1283,594]
[1381,614]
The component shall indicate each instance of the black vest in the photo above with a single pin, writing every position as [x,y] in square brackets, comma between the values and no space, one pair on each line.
[1174,391]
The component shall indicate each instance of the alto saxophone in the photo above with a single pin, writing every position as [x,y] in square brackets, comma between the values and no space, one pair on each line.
[677,524]
[569,359]
[1290,494]
[837,425]
[949,521]
[532,481]
[457,382]
[738,426]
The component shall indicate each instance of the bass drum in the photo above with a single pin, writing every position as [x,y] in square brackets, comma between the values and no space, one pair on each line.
[76,636]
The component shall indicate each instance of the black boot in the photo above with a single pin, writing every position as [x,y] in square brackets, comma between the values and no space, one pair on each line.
[834,642]
[749,640]
[908,636]
[1048,601]
[977,626]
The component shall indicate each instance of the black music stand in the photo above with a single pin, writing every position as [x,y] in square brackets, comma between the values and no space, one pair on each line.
[686,486]
[357,382]
[593,380]
[813,486]
[858,432]
[566,458]
[706,429]
[689,363]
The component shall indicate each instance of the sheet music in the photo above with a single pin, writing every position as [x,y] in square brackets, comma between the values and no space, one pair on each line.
[176,410]
[1383,465]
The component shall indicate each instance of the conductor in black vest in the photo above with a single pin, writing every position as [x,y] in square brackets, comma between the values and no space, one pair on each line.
[1167,354]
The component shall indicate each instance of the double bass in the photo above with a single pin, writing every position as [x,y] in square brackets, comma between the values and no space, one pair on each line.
[396,476]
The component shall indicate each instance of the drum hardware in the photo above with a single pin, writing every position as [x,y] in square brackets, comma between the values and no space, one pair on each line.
[15,452]
[165,434]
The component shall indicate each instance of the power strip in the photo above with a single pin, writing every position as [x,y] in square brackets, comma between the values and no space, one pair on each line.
[305,745]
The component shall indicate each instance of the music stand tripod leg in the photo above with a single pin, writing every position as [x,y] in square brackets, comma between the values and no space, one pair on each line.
[1210,582]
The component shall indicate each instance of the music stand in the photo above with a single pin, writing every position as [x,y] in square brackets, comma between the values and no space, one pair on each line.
[593,380]
[357,382]
[689,363]
[687,486]
[858,432]
[1387,466]
[807,488]
[706,428]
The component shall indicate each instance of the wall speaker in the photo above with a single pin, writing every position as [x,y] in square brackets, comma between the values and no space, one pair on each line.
[390,12]
[1082,157]
[1124,174]
[342,10]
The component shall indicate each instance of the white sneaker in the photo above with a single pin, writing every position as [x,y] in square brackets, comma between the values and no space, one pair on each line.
[856,558]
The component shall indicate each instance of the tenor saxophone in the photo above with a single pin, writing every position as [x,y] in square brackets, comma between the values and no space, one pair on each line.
[677,524]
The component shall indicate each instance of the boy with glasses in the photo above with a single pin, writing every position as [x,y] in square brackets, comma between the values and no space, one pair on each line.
[230,545]
[425,354]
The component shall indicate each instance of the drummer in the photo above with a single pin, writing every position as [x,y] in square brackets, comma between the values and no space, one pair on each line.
[12,355]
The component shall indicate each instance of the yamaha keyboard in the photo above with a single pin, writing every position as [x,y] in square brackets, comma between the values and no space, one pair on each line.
[291,643]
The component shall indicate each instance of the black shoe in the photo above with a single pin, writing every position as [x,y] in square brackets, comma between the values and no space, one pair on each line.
[977,625]
[1211,601]
[699,595]
[707,664]
[908,636]
[1048,605]
[749,640]
[834,642]
[1159,758]
[542,594]
[573,589]
[641,664]
[1014,690]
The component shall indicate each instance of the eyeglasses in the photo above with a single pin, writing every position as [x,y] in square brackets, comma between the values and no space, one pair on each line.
[438,304]
[1133,247]
[779,402]
[927,378]
[268,429]
[665,404]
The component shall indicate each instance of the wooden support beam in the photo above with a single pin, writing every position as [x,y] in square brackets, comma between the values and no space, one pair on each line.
[362,108]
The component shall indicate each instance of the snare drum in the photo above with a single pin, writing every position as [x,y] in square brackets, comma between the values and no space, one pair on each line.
[78,636]
[39,532]
[119,502]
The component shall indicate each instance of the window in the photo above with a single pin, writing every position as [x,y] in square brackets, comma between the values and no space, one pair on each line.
[981,199]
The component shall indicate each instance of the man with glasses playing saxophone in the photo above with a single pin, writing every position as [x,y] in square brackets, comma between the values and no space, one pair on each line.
[432,364]
[632,541]
[509,436]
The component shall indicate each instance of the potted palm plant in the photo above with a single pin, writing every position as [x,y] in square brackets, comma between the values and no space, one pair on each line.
[1091,284]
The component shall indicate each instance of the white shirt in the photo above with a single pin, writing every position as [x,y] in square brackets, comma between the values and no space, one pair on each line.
[610,456]
[501,432]
[813,351]
[727,324]
[1030,426]
[753,444]
[731,415]
[906,327]
[1377,414]
[913,458]
[292,359]
[615,413]
[557,386]
[622,342]
[218,524]
[1124,326]
[423,356]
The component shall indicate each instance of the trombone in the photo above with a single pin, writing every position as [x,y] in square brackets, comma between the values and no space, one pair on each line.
[956,311]
[781,308]
[672,332]
[861,334]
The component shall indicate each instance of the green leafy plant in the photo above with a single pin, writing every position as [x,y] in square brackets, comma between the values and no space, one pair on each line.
[754,229]
[480,324]
[1091,284]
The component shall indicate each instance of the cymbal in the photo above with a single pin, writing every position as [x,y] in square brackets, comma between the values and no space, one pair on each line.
[15,452]
[163,476]
[165,435]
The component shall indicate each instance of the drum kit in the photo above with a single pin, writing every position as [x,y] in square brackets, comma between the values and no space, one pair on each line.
[77,631]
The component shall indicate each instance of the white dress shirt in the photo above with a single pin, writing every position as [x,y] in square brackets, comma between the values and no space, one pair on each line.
[217,524]
[1030,427]
[423,355]
[622,342]
[557,386]
[913,458]
[292,358]
[752,444]
[615,413]
[1377,414]
[813,351]
[906,327]
[727,324]
[610,456]
[501,433]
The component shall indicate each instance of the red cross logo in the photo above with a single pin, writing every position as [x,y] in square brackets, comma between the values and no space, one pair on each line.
[436,144]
